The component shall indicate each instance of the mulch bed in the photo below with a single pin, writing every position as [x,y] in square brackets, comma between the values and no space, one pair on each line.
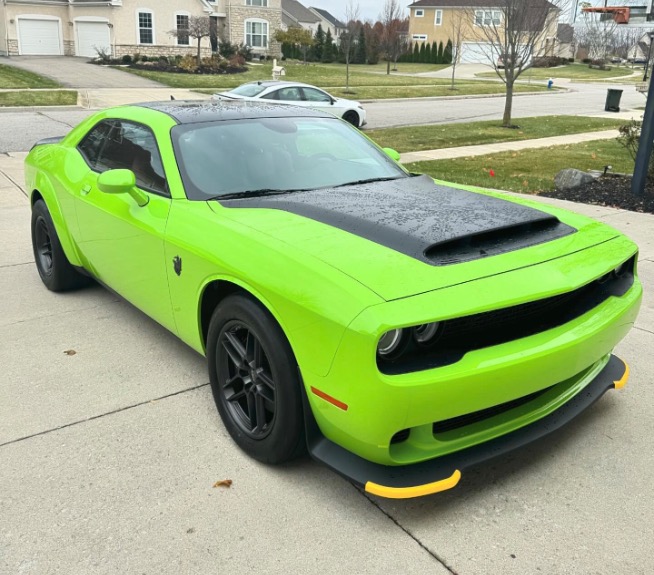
[613,191]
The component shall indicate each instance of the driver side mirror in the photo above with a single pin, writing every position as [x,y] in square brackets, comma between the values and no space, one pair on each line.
[121,182]
[392,154]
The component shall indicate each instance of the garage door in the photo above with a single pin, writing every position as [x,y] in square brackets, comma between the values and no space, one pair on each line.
[92,35]
[39,37]
[476,53]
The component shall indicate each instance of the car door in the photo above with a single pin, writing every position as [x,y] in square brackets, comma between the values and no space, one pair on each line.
[123,242]
[318,100]
[287,95]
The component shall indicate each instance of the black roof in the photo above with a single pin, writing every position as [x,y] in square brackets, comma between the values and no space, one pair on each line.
[194,111]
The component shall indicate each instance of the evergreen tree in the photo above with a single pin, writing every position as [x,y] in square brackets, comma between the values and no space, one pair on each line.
[360,51]
[440,52]
[416,53]
[447,53]
[434,53]
[328,50]
[427,56]
[318,44]
[423,51]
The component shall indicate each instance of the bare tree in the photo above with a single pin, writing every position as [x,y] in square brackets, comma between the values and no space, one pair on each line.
[391,39]
[597,34]
[198,27]
[457,27]
[350,36]
[510,35]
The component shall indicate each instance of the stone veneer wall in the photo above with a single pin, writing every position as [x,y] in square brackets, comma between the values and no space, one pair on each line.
[69,48]
[161,50]
[12,46]
[238,14]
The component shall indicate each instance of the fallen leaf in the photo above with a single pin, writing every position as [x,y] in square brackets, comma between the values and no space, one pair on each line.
[525,183]
[594,156]
[491,173]
[223,483]
[70,352]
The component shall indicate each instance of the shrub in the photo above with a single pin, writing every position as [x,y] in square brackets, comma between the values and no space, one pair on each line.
[136,57]
[188,63]
[629,138]
[548,61]
[586,61]
[126,59]
[163,59]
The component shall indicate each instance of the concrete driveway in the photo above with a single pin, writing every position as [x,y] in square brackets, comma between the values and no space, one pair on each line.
[73,72]
[110,445]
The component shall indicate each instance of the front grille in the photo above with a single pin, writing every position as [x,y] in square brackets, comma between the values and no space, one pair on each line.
[470,418]
[458,336]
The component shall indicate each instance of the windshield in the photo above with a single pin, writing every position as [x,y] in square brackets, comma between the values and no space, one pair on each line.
[248,90]
[273,155]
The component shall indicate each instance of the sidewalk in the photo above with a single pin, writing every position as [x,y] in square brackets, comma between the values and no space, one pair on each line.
[482,150]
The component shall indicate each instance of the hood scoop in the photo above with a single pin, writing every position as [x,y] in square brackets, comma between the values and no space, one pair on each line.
[496,241]
[432,223]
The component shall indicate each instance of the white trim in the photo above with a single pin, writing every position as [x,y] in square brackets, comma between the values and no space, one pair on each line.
[419,37]
[97,20]
[419,12]
[438,18]
[38,17]
[138,27]
[256,5]
[483,13]
[257,21]
[180,13]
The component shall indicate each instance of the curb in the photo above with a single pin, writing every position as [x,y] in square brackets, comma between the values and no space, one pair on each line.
[466,97]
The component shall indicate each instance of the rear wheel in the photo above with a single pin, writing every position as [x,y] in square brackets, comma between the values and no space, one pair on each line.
[255,380]
[352,117]
[54,268]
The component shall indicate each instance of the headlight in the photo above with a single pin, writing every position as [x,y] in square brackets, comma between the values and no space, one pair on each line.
[390,342]
[426,333]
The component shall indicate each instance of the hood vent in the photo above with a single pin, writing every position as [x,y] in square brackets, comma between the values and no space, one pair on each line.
[496,241]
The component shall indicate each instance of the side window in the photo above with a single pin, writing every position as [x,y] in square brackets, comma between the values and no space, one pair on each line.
[271,96]
[290,94]
[313,95]
[133,147]
[92,144]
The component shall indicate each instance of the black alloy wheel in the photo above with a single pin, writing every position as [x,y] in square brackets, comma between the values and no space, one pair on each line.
[43,245]
[246,379]
[255,380]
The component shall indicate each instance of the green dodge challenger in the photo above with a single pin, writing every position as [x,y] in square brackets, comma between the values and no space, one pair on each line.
[399,329]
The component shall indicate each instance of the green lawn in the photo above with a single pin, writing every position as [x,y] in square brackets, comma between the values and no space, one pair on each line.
[528,171]
[11,77]
[39,98]
[417,138]
[363,84]
[571,71]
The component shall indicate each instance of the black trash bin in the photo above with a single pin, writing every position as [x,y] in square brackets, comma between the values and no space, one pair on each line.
[613,100]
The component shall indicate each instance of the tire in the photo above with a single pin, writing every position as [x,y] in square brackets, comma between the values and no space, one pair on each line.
[352,117]
[255,381]
[51,262]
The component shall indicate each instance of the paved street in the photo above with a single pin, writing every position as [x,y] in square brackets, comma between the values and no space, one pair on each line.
[108,457]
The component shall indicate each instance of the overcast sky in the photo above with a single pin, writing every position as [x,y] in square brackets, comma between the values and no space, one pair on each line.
[370,9]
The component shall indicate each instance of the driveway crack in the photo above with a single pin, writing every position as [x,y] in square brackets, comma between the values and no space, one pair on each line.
[433,554]
[94,417]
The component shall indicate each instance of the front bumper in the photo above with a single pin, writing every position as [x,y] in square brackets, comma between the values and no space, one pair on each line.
[442,473]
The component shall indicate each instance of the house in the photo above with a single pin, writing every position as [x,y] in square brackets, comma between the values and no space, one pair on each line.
[565,37]
[296,15]
[328,22]
[119,27]
[435,20]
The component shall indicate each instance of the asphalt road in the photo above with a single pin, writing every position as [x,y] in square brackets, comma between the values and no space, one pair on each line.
[20,129]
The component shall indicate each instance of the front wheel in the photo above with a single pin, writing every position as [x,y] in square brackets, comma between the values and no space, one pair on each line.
[255,380]
[352,118]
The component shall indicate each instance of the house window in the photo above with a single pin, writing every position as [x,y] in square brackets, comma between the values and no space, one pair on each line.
[438,18]
[146,28]
[419,13]
[262,3]
[256,33]
[419,37]
[488,17]
[181,23]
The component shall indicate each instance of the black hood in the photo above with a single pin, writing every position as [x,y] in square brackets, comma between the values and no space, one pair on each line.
[436,224]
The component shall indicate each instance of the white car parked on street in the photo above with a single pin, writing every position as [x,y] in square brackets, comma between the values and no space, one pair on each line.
[298,94]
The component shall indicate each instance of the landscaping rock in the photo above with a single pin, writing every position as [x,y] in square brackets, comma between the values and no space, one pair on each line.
[571,179]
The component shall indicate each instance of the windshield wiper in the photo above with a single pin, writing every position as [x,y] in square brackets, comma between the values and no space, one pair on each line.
[368,181]
[254,194]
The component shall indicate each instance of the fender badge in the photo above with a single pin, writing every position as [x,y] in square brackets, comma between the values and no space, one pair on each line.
[177,265]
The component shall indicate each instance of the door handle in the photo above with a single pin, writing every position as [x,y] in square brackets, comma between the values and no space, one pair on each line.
[85,190]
